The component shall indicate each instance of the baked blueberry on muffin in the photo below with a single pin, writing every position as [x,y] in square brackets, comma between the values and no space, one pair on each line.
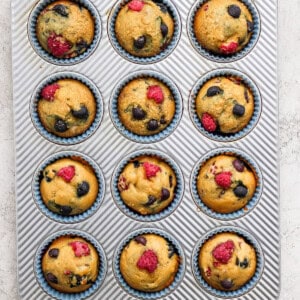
[66,108]
[65,29]
[226,183]
[149,263]
[224,105]
[223,26]
[227,261]
[70,264]
[144,28]
[147,185]
[69,186]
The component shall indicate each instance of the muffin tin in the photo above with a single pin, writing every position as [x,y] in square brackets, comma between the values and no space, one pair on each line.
[108,224]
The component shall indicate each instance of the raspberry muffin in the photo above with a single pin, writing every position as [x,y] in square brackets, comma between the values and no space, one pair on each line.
[223,26]
[227,261]
[147,185]
[144,28]
[69,186]
[146,106]
[224,104]
[149,263]
[70,264]
[66,108]
[65,29]
[225,183]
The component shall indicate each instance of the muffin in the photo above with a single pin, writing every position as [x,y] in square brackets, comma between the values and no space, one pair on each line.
[223,26]
[146,106]
[225,183]
[144,28]
[227,261]
[69,186]
[70,264]
[147,185]
[149,263]
[66,108]
[224,104]
[65,29]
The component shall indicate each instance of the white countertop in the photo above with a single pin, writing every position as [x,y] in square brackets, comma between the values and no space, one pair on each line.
[289,153]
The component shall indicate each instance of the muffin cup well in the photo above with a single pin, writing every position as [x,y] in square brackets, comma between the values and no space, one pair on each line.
[219,58]
[113,107]
[148,295]
[257,105]
[41,5]
[37,194]
[177,195]
[144,60]
[245,288]
[253,201]
[66,296]
[36,119]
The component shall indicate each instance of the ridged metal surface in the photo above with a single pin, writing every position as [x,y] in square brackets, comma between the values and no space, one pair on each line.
[105,67]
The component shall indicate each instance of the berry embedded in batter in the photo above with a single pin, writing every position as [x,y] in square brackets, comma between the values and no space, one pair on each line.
[229,48]
[57,45]
[155,93]
[223,179]
[208,122]
[136,5]
[80,248]
[151,169]
[148,261]
[223,252]
[48,92]
[67,173]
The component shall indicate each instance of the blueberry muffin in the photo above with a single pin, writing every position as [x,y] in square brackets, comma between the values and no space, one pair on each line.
[147,185]
[227,261]
[66,108]
[223,26]
[146,106]
[149,263]
[65,29]
[70,264]
[225,183]
[144,28]
[224,105]
[69,186]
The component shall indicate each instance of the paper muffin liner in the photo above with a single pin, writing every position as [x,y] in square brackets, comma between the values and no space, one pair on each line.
[67,296]
[144,60]
[252,202]
[113,107]
[178,190]
[225,137]
[37,194]
[219,57]
[36,96]
[245,288]
[148,295]
[40,6]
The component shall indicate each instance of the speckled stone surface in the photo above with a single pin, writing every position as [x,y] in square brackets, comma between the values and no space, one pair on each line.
[289,153]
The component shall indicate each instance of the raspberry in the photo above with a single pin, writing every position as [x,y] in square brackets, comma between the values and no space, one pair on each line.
[151,169]
[223,179]
[58,45]
[136,5]
[229,48]
[148,261]
[155,92]
[67,272]
[205,7]
[208,272]
[80,249]
[67,173]
[49,91]
[223,252]
[122,184]
[208,122]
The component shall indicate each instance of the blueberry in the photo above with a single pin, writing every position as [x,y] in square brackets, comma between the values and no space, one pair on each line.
[234,11]
[151,200]
[48,179]
[141,240]
[140,42]
[171,181]
[250,26]
[81,46]
[227,284]
[162,7]
[65,210]
[51,278]
[163,120]
[240,191]
[238,110]
[165,194]
[244,264]
[78,279]
[164,29]
[61,10]
[53,252]
[238,165]
[60,125]
[152,125]
[82,113]
[83,188]
[138,113]
[136,164]
[213,91]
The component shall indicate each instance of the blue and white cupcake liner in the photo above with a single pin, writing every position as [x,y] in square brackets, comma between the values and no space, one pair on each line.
[149,138]
[66,296]
[149,295]
[144,60]
[245,288]
[252,202]
[36,96]
[41,5]
[257,105]
[179,190]
[218,57]
[37,194]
